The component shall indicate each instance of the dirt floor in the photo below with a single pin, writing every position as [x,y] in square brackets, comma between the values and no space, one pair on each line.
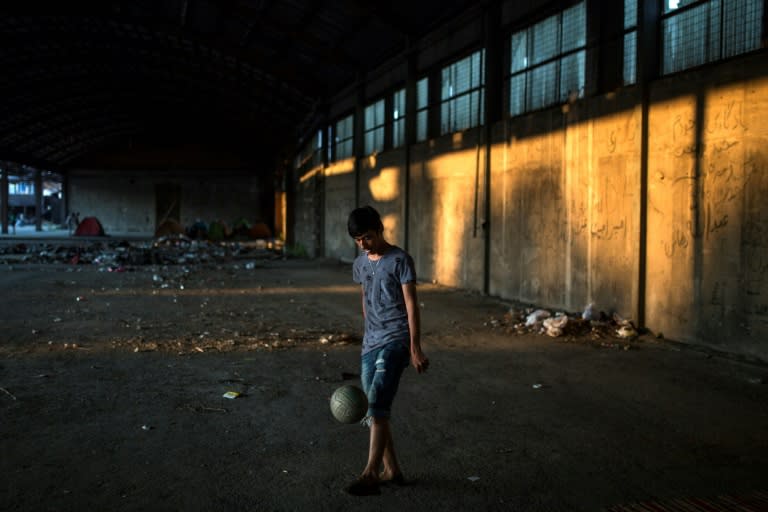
[112,376]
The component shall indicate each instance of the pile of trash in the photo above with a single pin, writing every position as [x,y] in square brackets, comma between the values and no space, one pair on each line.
[117,254]
[589,323]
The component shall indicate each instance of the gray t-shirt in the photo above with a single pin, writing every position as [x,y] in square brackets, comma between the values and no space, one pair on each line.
[386,319]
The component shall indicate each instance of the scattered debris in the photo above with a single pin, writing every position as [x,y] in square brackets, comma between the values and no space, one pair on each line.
[589,312]
[590,323]
[554,326]
[626,332]
[231,394]
[8,393]
[537,316]
[122,255]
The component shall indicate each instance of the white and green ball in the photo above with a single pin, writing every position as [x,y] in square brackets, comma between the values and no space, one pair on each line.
[349,404]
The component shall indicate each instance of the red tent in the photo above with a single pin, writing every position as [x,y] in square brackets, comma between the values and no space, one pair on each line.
[89,226]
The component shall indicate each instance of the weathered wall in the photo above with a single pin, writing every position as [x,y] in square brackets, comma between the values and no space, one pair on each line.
[228,198]
[125,202]
[446,210]
[308,213]
[529,222]
[571,220]
[707,184]
[121,202]
[382,185]
[339,190]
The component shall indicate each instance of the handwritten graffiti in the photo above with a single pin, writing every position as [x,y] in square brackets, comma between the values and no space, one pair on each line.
[682,128]
[679,241]
[713,225]
[604,231]
[727,119]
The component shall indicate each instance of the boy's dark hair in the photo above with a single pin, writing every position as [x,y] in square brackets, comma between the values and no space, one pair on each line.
[362,220]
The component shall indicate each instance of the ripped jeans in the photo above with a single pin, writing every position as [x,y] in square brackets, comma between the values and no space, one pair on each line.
[380,377]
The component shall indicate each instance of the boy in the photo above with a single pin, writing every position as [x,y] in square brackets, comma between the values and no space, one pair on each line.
[391,339]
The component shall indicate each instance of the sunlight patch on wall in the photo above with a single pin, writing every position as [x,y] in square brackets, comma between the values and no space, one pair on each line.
[456,164]
[671,201]
[391,223]
[451,222]
[310,174]
[341,167]
[385,186]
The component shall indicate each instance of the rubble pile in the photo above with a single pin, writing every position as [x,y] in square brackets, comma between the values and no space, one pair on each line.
[610,330]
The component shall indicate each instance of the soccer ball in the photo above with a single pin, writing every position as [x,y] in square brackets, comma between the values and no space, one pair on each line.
[349,404]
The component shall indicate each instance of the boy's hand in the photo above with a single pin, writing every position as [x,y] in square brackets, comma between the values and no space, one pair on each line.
[419,361]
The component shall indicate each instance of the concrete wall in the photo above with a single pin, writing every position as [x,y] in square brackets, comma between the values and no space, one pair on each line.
[446,212]
[565,206]
[680,244]
[125,202]
[121,202]
[339,190]
[707,184]
[307,206]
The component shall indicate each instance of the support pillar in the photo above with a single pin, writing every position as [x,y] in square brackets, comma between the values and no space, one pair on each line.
[410,138]
[38,200]
[647,70]
[494,87]
[4,195]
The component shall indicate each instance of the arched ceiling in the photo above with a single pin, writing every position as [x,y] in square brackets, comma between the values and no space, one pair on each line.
[243,73]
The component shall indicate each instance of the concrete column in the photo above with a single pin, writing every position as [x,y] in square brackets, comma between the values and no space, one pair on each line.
[38,200]
[290,198]
[410,137]
[324,142]
[494,87]
[358,143]
[605,28]
[4,198]
[433,102]
[647,70]
[764,38]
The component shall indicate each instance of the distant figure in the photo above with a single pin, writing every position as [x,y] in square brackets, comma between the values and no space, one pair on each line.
[73,220]
[12,220]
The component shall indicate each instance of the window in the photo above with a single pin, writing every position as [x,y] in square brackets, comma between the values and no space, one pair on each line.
[696,32]
[345,136]
[462,93]
[374,127]
[21,188]
[422,109]
[630,42]
[398,118]
[548,61]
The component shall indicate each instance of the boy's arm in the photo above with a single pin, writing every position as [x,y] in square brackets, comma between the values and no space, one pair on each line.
[418,359]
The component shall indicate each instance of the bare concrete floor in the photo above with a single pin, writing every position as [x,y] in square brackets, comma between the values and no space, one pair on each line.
[112,390]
